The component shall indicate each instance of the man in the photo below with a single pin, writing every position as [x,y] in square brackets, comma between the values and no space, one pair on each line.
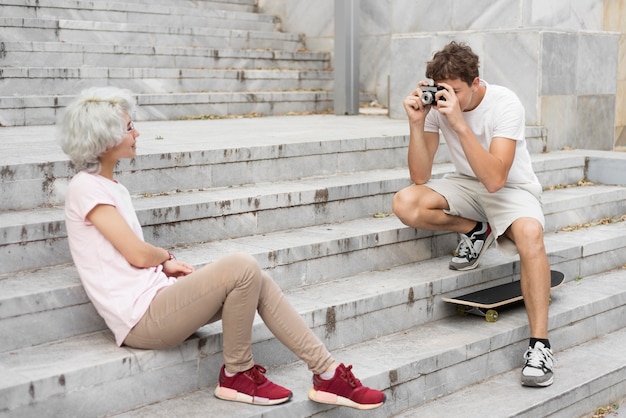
[494,193]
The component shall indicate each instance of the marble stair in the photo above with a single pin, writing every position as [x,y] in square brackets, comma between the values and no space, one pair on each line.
[309,197]
[189,60]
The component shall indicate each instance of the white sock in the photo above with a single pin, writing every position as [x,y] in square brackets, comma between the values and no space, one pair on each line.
[328,375]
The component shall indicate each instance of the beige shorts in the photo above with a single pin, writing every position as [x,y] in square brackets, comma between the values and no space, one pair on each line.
[468,198]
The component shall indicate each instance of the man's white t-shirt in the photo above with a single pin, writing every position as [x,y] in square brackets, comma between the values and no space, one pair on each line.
[120,292]
[499,114]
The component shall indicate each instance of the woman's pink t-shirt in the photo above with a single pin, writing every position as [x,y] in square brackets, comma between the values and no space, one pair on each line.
[120,292]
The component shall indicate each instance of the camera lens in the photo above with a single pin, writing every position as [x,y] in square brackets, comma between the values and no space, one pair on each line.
[427,97]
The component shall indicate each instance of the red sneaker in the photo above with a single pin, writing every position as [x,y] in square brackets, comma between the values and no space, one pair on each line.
[251,387]
[345,389]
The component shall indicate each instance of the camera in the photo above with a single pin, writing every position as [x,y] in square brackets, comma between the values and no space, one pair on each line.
[428,94]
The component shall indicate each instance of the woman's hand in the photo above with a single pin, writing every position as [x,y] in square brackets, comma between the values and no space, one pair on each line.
[175,268]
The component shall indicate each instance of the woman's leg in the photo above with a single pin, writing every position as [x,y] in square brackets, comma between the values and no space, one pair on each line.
[289,327]
[235,287]
[227,289]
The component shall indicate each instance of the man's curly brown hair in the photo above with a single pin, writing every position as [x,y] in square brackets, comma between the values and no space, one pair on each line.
[454,61]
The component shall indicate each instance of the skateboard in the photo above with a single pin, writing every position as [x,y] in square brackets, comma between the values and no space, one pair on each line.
[484,302]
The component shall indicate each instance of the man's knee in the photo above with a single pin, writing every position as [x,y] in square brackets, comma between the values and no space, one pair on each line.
[528,236]
[530,229]
[402,205]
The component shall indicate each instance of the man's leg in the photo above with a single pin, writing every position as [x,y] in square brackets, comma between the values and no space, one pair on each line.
[421,207]
[527,233]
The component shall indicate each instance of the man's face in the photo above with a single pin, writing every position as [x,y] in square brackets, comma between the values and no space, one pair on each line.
[465,93]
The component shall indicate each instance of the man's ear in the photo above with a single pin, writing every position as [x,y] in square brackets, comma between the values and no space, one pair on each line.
[475,84]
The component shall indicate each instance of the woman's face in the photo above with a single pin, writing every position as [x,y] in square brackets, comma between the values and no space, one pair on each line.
[128,147]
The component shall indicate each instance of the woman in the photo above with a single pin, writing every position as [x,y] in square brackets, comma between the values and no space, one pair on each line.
[151,300]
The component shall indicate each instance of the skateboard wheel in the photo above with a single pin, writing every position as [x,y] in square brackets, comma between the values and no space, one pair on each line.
[462,310]
[491,315]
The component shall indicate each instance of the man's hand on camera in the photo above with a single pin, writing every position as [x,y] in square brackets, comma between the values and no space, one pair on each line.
[415,109]
[449,107]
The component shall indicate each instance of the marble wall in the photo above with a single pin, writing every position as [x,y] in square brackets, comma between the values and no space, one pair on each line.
[556,55]
[566,80]
[577,98]
[615,20]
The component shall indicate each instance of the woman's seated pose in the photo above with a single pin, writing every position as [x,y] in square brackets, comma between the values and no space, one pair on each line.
[151,300]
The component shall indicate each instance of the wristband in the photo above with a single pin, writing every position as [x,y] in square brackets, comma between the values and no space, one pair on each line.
[170,256]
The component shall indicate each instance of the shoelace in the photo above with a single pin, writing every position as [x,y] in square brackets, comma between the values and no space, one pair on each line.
[350,378]
[539,358]
[256,374]
[466,246]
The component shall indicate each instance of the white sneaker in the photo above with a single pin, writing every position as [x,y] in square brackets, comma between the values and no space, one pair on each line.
[471,248]
[537,371]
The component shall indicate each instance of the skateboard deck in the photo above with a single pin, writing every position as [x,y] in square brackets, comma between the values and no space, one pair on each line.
[484,302]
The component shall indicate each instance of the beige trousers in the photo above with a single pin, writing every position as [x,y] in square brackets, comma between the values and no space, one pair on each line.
[231,289]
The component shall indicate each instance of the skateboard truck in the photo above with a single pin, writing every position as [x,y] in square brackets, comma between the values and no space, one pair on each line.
[491,315]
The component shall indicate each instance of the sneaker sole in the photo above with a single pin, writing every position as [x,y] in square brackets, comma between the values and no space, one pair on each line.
[333,399]
[531,383]
[232,395]
[490,239]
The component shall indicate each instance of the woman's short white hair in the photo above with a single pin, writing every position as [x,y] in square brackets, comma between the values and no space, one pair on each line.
[93,122]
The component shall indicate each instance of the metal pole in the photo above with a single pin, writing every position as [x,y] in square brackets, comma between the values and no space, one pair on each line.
[346,91]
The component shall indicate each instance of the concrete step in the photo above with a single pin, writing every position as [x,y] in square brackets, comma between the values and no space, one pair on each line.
[588,375]
[294,258]
[38,54]
[244,6]
[502,395]
[235,5]
[37,238]
[185,13]
[40,244]
[192,59]
[232,202]
[89,31]
[60,80]
[318,254]
[580,205]
[89,375]
[43,110]
[204,154]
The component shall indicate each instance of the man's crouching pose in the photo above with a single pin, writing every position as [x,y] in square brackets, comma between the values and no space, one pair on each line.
[494,193]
